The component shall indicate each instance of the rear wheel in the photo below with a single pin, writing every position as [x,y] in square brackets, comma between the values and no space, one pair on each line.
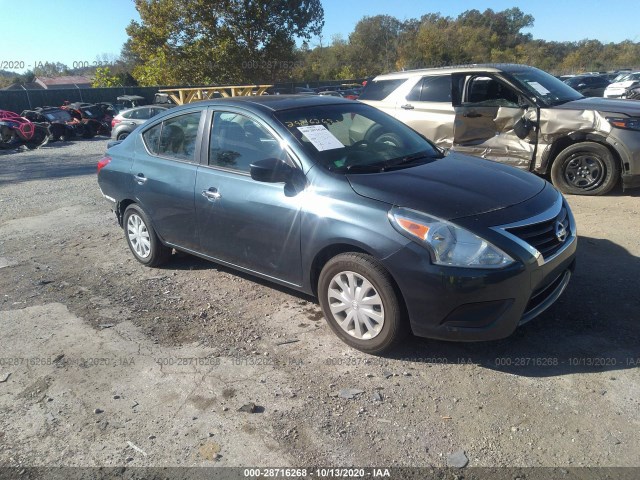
[122,136]
[360,303]
[142,238]
[585,168]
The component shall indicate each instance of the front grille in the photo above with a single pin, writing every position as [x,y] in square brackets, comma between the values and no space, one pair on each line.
[543,236]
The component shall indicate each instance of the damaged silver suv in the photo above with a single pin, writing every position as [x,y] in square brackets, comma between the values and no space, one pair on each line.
[521,116]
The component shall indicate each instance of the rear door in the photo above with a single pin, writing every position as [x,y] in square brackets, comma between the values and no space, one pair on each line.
[164,174]
[492,120]
[427,108]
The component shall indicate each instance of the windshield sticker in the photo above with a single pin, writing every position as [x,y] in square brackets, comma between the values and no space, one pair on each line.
[320,137]
[539,88]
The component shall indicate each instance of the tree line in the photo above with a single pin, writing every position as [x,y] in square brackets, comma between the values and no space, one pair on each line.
[189,42]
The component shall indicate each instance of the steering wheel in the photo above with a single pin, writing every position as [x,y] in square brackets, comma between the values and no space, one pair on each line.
[357,153]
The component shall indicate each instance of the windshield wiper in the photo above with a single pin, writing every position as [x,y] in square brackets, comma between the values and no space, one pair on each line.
[409,159]
[387,165]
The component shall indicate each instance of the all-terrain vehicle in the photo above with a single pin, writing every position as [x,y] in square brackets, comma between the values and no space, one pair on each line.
[16,131]
[61,125]
[96,121]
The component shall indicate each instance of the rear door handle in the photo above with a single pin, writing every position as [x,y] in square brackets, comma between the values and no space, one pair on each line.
[472,115]
[211,194]
[140,179]
[407,106]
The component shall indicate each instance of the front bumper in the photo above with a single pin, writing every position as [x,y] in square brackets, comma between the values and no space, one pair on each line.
[462,304]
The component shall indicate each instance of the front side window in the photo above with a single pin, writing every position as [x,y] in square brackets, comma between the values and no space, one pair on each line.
[489,92]
[237,141]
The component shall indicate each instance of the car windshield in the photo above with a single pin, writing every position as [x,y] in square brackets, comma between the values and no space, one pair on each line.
[545,87]
[58,116]
[356,138]
[574,81]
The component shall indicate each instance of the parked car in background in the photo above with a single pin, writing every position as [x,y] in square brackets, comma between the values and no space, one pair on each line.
[96,121]
[618,88]
[337,199]
[128,120]
[521,116]
[131,101]
[588,85]
[61,124]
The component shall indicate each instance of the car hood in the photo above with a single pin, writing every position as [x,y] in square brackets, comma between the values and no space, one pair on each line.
[603,105]
[455,186]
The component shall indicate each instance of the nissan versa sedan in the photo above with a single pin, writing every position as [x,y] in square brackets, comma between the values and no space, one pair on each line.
[337,199]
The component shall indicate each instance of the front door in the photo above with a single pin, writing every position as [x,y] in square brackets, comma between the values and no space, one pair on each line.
[250,224]
[493,121]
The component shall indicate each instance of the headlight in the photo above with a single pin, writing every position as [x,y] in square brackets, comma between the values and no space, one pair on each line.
[628,123]
[449,244]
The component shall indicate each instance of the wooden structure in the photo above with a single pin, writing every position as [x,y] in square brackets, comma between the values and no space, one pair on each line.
[188,95]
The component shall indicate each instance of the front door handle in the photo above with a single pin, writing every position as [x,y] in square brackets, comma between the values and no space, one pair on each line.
[212,194]
[140,179]
[407,106]
[472,115]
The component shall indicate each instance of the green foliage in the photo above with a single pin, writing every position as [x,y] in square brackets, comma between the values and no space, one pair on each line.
[104,78]
[183,42]
[382,44]
[209,41]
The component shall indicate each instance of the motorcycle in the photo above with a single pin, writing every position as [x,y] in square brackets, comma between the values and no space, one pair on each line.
[16,131]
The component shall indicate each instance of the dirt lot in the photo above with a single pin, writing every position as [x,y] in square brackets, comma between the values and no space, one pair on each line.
[107,363]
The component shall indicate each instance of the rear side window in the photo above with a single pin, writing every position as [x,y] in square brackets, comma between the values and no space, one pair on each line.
[380,89]
[152,138]
[138,114]
[432,89]
[178,136]
[175,137]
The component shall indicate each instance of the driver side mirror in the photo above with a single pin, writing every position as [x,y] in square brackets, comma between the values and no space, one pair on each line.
[271,170]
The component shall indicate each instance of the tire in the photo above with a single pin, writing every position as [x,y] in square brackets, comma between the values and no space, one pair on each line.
[40,139]
[585,168]
[88,131]
[383,310]
[122,136]
[142,239]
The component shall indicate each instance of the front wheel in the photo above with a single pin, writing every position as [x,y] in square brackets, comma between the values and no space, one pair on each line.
[585,168]
[361,304]
[142,238]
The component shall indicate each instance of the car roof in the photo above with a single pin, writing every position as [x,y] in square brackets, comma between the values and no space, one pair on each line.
[272,103]
[480,67]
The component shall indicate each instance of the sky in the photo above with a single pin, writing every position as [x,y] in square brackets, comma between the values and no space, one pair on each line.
[80,32]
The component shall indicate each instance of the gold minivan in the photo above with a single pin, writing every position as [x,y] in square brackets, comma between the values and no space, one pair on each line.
[521,116]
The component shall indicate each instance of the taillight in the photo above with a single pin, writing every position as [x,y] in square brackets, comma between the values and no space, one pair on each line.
[114,122]
[104,161]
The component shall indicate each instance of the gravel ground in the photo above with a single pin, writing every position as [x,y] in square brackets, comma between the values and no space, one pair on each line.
[110,363]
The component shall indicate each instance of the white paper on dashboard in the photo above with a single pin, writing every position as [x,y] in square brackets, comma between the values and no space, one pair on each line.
[539,88]
[320,137]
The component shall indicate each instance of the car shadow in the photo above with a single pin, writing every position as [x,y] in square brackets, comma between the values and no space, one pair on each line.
[593,327]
